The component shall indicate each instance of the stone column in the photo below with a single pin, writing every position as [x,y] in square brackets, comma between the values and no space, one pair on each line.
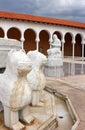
[82,50]
[73,55]
[5,34]
[82,67]
[22,39]
[37,42]
[73,49]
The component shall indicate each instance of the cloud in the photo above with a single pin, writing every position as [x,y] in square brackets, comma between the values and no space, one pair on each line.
[64,9]
[68,9]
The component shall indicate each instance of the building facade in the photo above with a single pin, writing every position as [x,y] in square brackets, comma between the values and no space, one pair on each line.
[36,32]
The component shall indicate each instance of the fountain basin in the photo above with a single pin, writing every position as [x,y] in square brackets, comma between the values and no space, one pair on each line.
[65,112]
[45,118]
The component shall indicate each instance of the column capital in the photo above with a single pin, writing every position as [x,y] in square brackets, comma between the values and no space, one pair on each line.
[22,36]
[63,41]
[5,35]
[83,42]
[22,39]
[37,37]
[73,41]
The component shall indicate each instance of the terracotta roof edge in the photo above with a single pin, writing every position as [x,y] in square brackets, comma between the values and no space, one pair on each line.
[28,17]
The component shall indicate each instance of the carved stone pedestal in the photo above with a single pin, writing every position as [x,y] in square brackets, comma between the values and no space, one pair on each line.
[45,116]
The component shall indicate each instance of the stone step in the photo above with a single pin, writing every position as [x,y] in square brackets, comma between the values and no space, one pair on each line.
[50,124]
[54,126]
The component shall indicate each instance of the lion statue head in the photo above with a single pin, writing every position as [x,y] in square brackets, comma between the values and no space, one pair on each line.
[38,59]
[36,77]
[17,59]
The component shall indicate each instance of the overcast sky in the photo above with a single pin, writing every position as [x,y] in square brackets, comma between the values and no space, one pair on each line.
[63,9]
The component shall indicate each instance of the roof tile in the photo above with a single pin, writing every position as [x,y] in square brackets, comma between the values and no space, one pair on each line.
[12,15]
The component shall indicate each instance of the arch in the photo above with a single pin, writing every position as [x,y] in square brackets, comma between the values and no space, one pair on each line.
[68,44]
[44,41]
[1,33]
[14,33]
[29,43]
[78,45]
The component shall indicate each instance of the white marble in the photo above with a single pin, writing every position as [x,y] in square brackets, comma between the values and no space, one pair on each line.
[15,92]
[54,53]
[22,25]
[54,65]
[5,46]
[36,77]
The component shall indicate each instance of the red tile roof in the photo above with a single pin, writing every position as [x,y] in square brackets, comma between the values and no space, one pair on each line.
[10,15]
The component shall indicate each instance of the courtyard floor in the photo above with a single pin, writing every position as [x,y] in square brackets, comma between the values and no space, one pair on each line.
[72,87]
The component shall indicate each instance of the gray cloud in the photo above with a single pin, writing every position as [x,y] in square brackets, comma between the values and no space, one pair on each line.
[64,9]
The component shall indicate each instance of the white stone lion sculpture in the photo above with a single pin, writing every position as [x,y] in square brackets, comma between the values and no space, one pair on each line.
[15,93]
[36,77]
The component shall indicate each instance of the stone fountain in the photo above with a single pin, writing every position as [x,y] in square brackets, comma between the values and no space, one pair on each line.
[26,105]
[54,66]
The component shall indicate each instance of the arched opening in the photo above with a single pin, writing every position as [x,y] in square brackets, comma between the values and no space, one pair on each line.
[14,33]
[29,43]
[68,45]
[44,42]
[1,33]
[78,45]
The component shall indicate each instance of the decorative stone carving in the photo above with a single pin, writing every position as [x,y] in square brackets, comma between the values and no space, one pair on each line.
[54,52]
[15,93]
[36,77]
[54,63]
